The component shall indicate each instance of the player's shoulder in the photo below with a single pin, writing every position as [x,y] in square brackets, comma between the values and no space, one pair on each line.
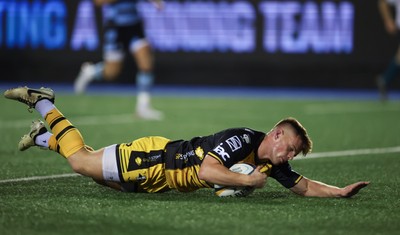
[243,130]
[245,135]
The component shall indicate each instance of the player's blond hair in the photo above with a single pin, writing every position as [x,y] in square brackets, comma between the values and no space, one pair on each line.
[301,131]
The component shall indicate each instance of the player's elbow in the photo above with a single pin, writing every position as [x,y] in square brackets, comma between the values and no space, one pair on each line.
[300,192]
[203,174]
[301,188]
[206,174]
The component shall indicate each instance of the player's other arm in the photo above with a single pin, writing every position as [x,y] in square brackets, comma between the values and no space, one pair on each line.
[312,188]
[214,172]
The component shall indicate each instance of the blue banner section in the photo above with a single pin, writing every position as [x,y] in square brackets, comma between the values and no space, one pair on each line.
[205,42]
[198,26]
[288,26]
[34,24]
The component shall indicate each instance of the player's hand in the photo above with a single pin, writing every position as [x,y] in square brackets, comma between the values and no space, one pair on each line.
[259,179]
[353,189]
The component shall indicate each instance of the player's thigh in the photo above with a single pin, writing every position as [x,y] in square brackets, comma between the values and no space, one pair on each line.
[87,163]
[144,57]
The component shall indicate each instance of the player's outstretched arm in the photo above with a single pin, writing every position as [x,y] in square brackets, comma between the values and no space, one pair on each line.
[312,188]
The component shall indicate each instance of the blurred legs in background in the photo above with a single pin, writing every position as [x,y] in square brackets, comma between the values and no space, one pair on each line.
[123,33]
[110,69]
[391,72]
[391,23]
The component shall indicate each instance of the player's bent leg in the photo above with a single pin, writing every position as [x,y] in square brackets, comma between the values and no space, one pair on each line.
[100,165]
[67,139]
[89,73]
[142,53]
[112,69]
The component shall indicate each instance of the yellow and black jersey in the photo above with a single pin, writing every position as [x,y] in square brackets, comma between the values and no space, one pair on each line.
[241,145]
[158,164]
[230,146]
[141,162]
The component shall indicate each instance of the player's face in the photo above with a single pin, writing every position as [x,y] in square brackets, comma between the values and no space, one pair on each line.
[286,146]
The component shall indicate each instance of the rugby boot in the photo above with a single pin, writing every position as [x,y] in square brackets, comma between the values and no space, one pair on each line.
[30,96]
[28,140]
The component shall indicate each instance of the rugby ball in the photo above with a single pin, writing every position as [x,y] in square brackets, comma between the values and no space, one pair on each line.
[233,191]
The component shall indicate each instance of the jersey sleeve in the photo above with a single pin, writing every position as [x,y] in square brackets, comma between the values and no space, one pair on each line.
[234,145]
[285,175]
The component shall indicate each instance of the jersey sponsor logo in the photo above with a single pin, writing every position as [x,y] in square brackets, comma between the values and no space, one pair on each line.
[140,160]
[221,152]
[140,178]
[234,143]
[153,158]
[185,156]
[246,138]
[199,153]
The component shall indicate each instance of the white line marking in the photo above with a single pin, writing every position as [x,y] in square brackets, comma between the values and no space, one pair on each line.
[357,109]
[38,178]
[352,152]
[310,156]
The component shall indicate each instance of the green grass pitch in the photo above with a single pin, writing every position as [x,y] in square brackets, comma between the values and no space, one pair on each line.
[77,205]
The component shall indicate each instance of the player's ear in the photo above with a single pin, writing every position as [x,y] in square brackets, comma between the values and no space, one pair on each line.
[278,132]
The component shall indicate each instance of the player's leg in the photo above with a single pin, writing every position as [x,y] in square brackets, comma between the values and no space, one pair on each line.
[65,139]
[109,69]
[392,71]
[85,161]
[143,55]
[89,72]
[100,165]
[112,69]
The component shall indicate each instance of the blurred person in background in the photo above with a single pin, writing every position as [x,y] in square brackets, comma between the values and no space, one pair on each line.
[123,32]
[392,24]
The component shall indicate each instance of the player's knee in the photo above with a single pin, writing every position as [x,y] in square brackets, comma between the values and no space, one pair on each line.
[77,167]
[111,73]
[79,163]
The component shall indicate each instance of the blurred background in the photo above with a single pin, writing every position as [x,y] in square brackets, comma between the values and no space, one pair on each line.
[299,44]
[204,50]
